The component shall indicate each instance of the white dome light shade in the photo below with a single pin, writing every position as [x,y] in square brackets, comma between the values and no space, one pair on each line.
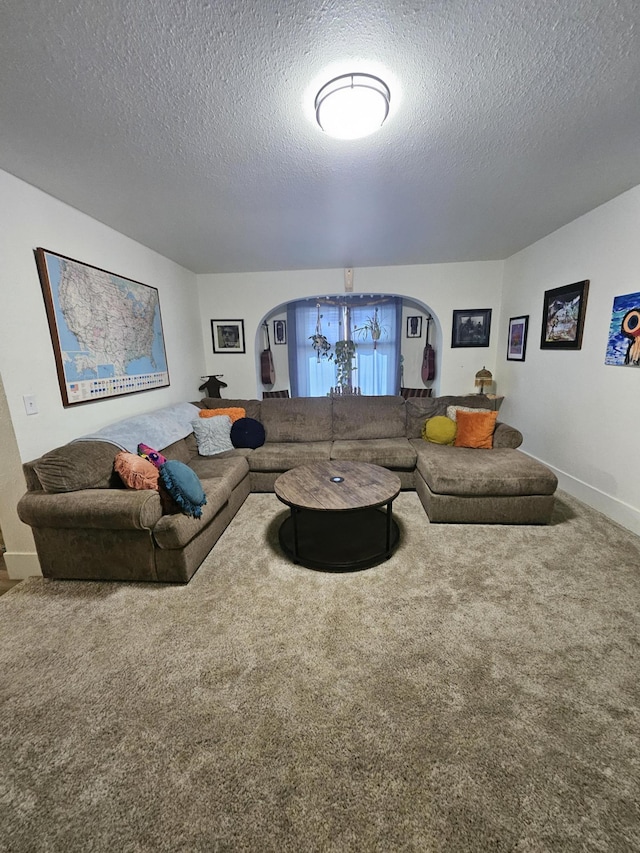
[352,105]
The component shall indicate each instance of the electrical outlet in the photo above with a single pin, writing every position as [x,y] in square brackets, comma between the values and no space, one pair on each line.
[30,405]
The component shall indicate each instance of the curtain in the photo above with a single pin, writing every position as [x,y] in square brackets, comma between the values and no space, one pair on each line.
[308,376]
[377,370]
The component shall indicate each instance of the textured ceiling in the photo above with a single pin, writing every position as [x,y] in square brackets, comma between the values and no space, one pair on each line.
[189,125]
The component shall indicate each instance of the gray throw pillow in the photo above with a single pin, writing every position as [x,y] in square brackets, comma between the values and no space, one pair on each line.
[213,435]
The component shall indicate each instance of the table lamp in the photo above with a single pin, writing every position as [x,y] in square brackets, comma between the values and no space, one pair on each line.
[483,377]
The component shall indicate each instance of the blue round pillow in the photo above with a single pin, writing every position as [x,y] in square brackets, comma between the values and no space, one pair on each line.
[184,486]
[247,432]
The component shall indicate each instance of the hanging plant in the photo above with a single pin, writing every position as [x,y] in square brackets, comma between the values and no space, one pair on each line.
[373,327]
[318,341]
[344,355]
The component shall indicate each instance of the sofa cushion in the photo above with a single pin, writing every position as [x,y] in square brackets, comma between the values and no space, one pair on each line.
[280,456]
[475,429]
[176,531]
[452,411]
[154,456]
[213,435]
[78,465]
[184,450]
[135,471]
[418,411]
[230,469]
[302,419]
[184,486]
[466,471]
[439,430]
[247,432]
[368,417]
[395,453]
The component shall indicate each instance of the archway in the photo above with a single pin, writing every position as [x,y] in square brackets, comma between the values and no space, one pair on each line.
[418,320]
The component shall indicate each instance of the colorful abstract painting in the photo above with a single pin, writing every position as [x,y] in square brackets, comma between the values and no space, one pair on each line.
[623,347]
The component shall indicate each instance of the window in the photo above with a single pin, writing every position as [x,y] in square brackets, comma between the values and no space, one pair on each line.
[377,363]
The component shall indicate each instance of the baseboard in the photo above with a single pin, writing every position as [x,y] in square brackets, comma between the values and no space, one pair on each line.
[615,509]
[21,566]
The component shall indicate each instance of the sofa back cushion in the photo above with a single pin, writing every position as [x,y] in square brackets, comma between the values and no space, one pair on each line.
[418,411]
[296,419]
[78,465]
[368,417]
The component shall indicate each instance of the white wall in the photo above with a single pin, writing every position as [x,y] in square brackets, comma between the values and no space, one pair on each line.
[29,218]
[439,287]
[577,414]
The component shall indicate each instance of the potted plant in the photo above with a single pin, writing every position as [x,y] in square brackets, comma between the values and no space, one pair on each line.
[343,356]
[319,341]
[373,327]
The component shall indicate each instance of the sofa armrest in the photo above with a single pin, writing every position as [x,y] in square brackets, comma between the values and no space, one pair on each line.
[506,436]
[106,509]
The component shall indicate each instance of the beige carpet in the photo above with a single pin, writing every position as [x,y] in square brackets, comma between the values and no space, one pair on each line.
[479,691]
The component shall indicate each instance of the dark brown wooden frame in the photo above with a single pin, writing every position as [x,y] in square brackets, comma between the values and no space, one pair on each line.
[122,387]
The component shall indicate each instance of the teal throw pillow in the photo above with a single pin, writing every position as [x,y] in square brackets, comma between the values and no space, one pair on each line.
[184,486]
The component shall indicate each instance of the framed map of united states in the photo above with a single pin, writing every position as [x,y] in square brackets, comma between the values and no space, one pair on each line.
[106,330]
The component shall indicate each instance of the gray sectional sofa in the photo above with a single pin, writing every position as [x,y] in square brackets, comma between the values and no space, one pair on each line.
[87,525]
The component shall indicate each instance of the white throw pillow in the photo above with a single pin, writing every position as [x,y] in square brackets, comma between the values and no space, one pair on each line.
[452,411]
[213,435]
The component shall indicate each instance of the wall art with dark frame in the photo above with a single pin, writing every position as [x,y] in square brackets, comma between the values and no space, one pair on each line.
[228,336]
[563,312]
[471,327]
[279,331]
[414,327]
[517,339]
[106,330]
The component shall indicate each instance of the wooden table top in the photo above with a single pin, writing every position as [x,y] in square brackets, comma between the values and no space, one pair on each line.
[363,485]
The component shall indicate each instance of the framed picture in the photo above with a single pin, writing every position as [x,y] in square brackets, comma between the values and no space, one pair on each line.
[623,346]
[106,330]
[280,331]
[471,328]
[228,336]
[414,327]
[517,341]
[563,313]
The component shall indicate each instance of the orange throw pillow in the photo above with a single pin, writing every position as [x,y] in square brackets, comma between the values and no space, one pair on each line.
[136,472]
[235,413]
[475,429]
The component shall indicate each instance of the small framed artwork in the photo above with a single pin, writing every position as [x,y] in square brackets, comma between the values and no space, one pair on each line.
[228,336]
[563,313]
[623,346]
[471,327]
[414,327]
[280,331]
[517,341]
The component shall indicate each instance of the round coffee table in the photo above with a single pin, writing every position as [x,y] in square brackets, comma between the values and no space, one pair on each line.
[341,515]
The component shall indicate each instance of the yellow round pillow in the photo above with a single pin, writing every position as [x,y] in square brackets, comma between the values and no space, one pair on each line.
[439,430]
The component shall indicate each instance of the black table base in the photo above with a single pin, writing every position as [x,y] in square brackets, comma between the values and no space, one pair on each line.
[346,541]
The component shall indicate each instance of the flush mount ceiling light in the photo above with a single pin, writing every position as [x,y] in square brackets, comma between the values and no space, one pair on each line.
[352,105]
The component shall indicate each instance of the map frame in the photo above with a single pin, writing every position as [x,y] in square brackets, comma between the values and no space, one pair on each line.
[94,282]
